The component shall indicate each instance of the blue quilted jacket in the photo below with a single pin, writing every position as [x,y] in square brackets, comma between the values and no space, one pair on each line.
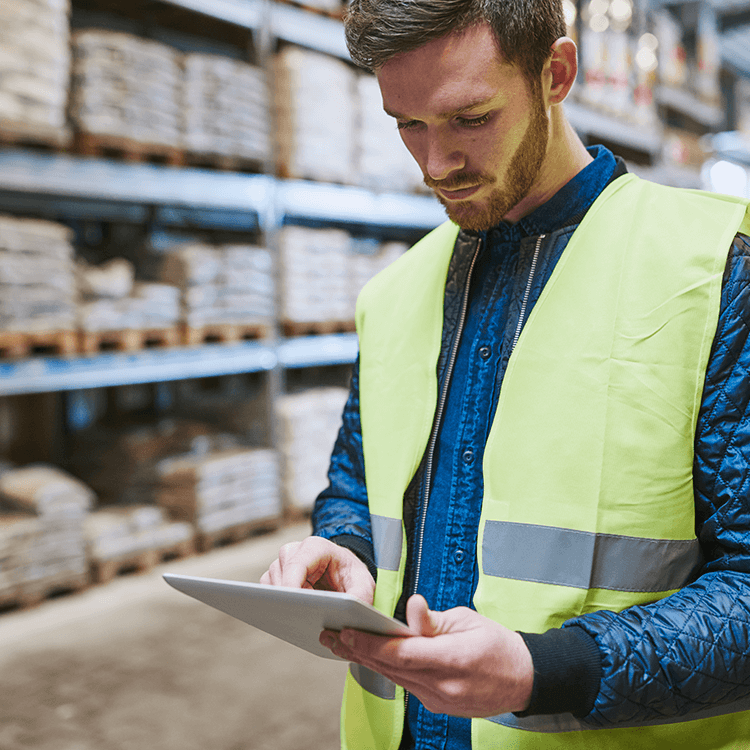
[668,658]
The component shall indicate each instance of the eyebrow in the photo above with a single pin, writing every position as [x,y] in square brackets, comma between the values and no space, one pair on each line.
[446,115]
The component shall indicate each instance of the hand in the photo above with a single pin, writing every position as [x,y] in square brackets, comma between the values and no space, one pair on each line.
[458,662]
[317,563]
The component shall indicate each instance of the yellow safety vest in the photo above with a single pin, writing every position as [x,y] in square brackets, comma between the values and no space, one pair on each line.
[588,496]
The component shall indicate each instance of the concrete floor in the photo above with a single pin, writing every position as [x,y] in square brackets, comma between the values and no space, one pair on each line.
[135,665]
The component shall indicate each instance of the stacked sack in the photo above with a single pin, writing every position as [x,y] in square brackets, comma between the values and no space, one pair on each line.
[50,546]
[127,87]
[315,278]
[119,463]
[324,270]
[119,531]
[230,284]
[37,280]
[315,116]
[19,535]
[226,107]
[309,421]
[111,299]
[383,162]
[220,489]
[34,64]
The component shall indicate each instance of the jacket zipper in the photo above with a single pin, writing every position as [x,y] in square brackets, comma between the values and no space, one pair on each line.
[527,291]
[436,429]
[438,419]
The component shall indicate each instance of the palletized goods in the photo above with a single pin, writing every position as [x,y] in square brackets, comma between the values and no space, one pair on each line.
[226,107]
[37,282]
[111,299]
[125,86]
[220,489]
[50,548]
[122,531]
[315,116]
[230,284]
[323,271]
[34,65]
[309,421]
[315,274]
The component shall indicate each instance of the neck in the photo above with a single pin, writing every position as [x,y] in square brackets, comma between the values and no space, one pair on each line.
[566,157]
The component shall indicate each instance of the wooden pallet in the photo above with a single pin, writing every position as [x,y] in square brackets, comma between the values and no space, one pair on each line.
[224,333]
[32,593]
[225,163]
[14,133]
[103,571]
[125,149]
[128,340]
[317,328]
[208,540]
[17,344]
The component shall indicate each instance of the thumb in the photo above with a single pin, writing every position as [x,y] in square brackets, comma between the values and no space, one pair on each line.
[419,617]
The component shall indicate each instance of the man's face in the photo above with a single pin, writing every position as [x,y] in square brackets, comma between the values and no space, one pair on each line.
[472,124]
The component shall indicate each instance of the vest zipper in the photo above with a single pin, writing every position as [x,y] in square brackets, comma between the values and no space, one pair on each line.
[527,291]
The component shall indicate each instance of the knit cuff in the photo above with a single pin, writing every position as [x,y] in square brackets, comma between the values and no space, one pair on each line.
[567,672]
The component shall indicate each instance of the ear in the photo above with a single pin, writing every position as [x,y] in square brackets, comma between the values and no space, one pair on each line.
[561,70]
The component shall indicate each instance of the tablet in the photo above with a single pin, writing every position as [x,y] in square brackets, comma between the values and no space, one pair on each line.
[295,615]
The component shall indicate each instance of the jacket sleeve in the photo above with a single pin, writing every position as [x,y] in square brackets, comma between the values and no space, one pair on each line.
[690,650]
[341,512]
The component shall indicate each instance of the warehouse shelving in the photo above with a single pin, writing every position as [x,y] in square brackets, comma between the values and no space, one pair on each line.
[710,115]
[49,374]
[590,122]
[106,190]
[285,22]
[103,182]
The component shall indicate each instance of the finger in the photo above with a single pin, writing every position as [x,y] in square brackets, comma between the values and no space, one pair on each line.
[359,584]
[287,552]
[419,617]
[383,652]
[272,574]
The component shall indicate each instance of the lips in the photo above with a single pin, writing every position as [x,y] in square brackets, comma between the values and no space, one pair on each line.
[459,195]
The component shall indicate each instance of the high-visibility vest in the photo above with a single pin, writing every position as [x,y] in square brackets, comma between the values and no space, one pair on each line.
[588,495]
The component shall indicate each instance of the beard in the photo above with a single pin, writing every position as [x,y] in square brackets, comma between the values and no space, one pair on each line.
[523,170]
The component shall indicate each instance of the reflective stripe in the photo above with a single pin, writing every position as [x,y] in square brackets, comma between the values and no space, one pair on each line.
[555,723]
[372,682]
[386,539]
[584,560]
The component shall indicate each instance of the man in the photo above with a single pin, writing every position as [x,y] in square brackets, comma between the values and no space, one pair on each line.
[544,455]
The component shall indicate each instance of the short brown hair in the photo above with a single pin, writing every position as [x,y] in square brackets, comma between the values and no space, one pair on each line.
[525,30]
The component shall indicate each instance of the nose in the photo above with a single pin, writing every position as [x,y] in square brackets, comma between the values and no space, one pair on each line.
[441,158]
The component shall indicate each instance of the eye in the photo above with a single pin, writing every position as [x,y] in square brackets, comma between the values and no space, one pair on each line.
[473,122]
[407,124]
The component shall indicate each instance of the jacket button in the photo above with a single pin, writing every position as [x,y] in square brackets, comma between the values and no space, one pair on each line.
[468,456]
[459,555]
[485,352]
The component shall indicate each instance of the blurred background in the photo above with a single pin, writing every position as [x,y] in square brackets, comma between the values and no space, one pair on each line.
[192,193]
